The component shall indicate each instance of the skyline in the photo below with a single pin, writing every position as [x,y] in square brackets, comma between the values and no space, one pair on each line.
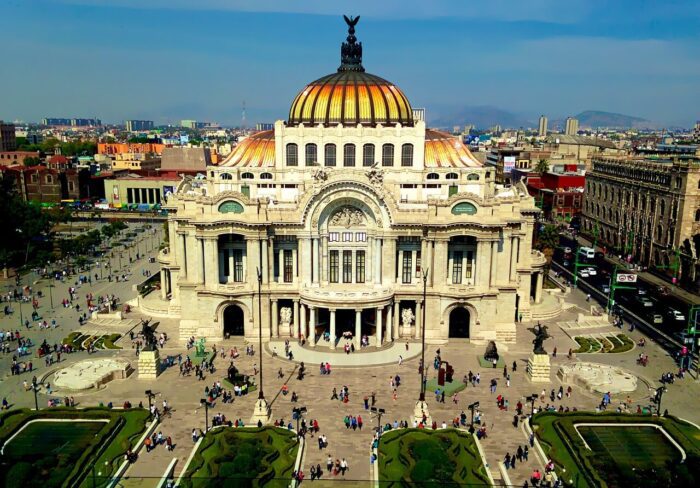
[166,61]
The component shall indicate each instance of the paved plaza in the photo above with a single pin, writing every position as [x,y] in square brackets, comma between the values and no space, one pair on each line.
[363,374]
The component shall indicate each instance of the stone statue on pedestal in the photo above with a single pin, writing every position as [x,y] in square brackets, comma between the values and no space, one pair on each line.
[149,336]
[407,317]
[540,332]
[285,317]
[491,352]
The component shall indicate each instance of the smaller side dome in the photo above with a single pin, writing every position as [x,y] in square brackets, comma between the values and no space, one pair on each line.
[257,150]
[445,151]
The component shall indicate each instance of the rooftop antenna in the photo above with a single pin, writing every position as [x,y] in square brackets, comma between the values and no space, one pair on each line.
[243,121]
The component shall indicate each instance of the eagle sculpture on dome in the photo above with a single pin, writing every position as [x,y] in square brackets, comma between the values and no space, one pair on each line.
[352,22]
[351,51]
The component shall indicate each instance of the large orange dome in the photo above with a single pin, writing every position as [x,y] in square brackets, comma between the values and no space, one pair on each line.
[351,96]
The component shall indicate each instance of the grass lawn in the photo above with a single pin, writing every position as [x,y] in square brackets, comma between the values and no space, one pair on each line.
[243,457]
[79,340]
[450,388]
[429,457]
[619,455]
[58,453]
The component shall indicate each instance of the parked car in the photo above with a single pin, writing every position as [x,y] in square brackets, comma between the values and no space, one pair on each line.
[675,314]
[645,302]
[586,252]
[592,271]
[567,250]
[605,288]
[583,273]
[642,291]
[657,318]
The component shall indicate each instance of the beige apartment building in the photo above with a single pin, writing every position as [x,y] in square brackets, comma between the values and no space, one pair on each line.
[350,217]
[649,209]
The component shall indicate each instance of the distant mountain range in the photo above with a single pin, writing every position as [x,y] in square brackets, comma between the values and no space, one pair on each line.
[485,116]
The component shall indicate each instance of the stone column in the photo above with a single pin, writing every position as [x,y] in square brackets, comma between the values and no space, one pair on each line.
[358,328]
[538,290]
[182,255]
[275,322]
[271,258]
[514,258]
[295,268]
[305,261]
[210,264]
[265,260]
[194,256]
[414,261]
[311,336]
[220,267]
[419,318]
[316,265]
[388,260]
[379,327]
[252,258]
[450,265]
[332,311]
[464,267]
[397,314]
[280,267]
[302,323]
[377,261]
[440,262]
[295,318]
[369,261]
[389,336]
[323,261]
[230,266]
[494,263]
[163,285]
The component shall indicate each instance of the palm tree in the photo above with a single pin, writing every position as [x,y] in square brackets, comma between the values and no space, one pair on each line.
[542,166]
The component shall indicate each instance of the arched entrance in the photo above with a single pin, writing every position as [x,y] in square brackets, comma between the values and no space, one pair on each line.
[233,321]
[459,323]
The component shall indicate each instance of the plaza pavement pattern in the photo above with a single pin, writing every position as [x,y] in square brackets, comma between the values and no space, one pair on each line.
[183,393]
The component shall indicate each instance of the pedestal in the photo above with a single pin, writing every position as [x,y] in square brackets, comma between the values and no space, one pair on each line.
[421,409]
[538,368]
[262,413]
[149,364]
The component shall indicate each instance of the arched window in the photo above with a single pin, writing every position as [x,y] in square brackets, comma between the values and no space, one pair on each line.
[452,176]
[349,155]
[226,176]
[407,155]
[330,154]
[473,177]
[697,215]
[368,155]
[433,176]
[266,176]
[311,155]
[388,155]
[292,155]
[247,176]
[662,207]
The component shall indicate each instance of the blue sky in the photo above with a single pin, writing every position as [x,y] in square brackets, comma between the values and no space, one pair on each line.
[172,59]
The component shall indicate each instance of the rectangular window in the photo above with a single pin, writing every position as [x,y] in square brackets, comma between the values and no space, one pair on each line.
[330,155]
[333,267]
[137,195]
[406,267]
[368,155]
[129,195]
[287,254]
[456,267]
[388,155]
[151,196]
[334,236]
[347,236]
[224,256]
[238,265]
[468,270]
[418,264]
[347,266]
[157,195]
[452,190]
[349,155]
[360,236]
[360,267]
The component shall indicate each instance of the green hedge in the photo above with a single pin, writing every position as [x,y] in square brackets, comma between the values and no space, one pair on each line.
[106,450]
[562,443]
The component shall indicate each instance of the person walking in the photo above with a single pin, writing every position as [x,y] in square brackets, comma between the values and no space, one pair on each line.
[343,467]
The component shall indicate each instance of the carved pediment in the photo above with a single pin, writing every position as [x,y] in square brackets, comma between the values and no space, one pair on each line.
[348,217]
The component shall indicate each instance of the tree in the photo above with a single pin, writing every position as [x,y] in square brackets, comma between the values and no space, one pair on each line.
[547,241]
[31,161]
[542,166]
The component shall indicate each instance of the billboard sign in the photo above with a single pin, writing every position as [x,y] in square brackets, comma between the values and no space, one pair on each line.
[508,164]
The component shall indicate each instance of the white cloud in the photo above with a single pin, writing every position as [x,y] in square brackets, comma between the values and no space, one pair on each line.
[560,11]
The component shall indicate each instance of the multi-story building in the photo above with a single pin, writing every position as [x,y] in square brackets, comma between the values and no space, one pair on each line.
[137,125]
[55,121]
[192,124]
[135,162]
[646,209]
[8,140]
[133,189]
[542,131]
[129,147]
[503,160]
[43,185]
[10,158]
[335,221]
[571,126]
[580,149]
[559,195]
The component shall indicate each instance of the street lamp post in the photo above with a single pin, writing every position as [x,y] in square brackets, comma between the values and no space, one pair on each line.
[657,398]
[151,396]
[298,412]
[205,403]
[532,399]
[378,412]
[35,387]
[472,407]
[261,395]
[421,398]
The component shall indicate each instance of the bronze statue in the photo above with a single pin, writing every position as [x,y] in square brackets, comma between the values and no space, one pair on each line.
[149,335]
[540,332]
[352,22]
[491,352]
[351,50]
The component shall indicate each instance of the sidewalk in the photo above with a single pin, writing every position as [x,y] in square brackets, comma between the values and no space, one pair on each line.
[676,291]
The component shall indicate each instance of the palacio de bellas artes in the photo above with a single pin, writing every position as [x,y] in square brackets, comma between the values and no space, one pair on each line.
[351,219]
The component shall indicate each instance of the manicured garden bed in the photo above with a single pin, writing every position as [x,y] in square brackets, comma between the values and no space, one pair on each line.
[449,388]
[244,457]
[619,455]
[604,344]
[63,447]
[79,341]
[429,457]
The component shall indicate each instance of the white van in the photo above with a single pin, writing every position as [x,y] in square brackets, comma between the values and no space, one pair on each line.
[586,252]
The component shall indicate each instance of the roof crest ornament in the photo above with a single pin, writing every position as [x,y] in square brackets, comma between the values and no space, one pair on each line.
[351,51]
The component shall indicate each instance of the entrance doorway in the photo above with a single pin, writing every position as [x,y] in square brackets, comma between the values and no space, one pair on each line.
[233,321]
[459,323]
